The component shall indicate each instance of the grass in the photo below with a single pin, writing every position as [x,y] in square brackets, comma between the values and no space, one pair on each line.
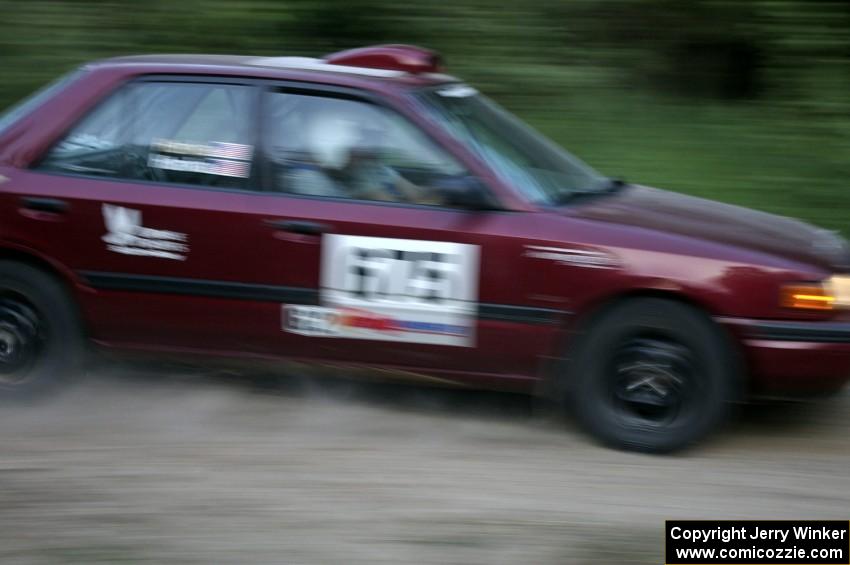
[754,155]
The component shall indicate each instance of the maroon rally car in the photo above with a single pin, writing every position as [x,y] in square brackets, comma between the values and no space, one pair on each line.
[365,211]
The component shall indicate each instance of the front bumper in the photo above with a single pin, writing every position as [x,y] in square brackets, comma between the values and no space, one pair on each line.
[793,358]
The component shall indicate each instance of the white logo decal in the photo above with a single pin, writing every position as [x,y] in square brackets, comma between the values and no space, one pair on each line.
[394,290]
[576,257]
[126,235]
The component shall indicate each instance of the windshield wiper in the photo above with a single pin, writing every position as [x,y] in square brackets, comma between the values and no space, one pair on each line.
[612,184]
[607,186]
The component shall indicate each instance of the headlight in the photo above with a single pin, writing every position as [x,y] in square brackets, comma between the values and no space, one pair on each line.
[839,287]
[830,294]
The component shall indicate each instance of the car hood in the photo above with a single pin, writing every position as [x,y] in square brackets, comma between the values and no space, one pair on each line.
[724,223]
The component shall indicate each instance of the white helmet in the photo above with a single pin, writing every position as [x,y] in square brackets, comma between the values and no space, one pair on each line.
[331,135]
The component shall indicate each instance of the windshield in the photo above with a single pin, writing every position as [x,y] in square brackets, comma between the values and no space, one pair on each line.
[522,157]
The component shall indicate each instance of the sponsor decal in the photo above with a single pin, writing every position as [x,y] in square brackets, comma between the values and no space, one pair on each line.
[315,321]
[216,158]
[393,290]
[345,322]
[575,257]
[457,91]
[125,234]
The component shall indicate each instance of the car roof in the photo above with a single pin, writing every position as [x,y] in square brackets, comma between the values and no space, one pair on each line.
[292,68]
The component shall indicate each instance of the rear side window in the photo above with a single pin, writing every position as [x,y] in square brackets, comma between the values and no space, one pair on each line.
[169,132]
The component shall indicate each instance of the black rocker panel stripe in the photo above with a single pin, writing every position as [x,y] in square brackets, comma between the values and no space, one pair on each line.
[287,294]
[819,332]
[200,287]
[518,314]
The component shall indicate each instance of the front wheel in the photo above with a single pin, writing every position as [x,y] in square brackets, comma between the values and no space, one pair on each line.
[651,375]
[40,337]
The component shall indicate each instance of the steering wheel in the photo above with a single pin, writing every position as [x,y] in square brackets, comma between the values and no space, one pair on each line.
[135,165]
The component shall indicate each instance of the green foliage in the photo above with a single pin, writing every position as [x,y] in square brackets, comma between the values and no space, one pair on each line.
[744,101]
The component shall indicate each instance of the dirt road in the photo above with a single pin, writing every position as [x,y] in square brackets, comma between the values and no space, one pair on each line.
[153,467]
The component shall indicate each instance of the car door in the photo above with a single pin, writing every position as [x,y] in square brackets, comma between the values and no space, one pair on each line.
[145,200]
[398,277]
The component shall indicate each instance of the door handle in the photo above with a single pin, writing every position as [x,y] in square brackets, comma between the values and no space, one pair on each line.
[52,205]
[299,226]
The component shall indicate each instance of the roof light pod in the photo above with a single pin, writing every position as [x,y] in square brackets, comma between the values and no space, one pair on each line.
[407,58]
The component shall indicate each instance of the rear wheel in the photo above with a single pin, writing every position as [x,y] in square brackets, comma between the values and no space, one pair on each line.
[40,337]
[651,375]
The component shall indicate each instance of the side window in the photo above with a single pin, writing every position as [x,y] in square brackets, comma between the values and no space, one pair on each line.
[169,132]
[343,148]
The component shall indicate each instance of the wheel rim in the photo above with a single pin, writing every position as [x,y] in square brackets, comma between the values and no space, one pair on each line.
[653,380]
[22,338]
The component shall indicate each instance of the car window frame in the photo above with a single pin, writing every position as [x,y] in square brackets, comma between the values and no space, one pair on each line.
[15,113]
[254,185]
[358,95]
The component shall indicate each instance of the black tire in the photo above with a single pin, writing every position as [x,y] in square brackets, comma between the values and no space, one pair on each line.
[651,375]
[41,342]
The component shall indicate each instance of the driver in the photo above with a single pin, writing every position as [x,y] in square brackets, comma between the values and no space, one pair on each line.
[345,149]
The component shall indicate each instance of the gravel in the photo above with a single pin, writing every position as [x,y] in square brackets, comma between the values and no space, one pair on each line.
[164,467]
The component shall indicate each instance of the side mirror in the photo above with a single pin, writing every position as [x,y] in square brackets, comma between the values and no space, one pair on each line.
[467,192]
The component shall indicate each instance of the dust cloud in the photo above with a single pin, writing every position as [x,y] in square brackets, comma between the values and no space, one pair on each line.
[164,467]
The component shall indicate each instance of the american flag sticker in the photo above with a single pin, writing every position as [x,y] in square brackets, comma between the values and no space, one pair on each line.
[223,150]
[227,168]
[215,158]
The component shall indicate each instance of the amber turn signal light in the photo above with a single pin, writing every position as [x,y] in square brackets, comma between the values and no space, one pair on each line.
[807,296]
